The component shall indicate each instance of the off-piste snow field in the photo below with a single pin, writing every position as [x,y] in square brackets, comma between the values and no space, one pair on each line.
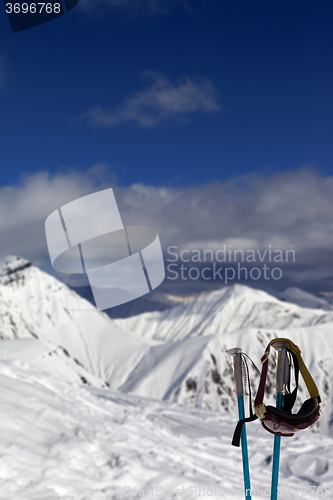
[98,409]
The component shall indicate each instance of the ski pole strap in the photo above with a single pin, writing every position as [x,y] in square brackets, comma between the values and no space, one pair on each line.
[239,427]
[260,409]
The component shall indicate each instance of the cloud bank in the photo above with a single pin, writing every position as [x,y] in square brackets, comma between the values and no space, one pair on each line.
[290,210]
[160,102]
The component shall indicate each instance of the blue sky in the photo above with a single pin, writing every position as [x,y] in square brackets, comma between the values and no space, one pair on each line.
[265,68]
[212,121]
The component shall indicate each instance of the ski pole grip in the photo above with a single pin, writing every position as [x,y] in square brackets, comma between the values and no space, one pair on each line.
[237,365]
[281,366]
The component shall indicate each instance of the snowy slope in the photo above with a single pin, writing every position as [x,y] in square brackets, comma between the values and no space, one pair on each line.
[35,305]
[62,441]
[226,310]
[194,371]
[48,358]
[197,372]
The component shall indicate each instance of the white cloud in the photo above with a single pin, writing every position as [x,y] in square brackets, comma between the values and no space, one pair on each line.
[159,102]
[24,208]
[290,210]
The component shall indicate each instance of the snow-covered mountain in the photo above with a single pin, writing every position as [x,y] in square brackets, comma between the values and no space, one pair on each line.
[197,371]
[191,366]
[226,310]
[65,335]
[72,442]
[297,296]
[34,305]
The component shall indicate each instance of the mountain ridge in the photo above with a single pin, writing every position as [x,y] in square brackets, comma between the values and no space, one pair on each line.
[193,370]
[229,309]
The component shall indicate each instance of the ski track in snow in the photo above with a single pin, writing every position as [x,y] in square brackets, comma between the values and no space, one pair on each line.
[61,440]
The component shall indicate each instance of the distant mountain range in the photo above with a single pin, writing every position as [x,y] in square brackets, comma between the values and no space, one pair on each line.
[161,301]
[227,310]
[175,355]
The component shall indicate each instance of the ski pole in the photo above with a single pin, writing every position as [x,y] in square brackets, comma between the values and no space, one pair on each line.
[280,387]
[240,390]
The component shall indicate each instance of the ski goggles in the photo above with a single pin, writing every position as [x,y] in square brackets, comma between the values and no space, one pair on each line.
[283,422]
[286,424]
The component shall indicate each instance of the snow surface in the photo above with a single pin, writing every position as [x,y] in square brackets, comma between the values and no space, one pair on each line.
[64,434]
[12,263]
[46,357]
[67,441]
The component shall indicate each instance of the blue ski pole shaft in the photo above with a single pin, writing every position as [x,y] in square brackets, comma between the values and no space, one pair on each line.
[246,469]
[276,455]
[282,375]
[240,390]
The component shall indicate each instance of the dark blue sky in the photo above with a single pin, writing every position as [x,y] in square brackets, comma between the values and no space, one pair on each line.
[269,65]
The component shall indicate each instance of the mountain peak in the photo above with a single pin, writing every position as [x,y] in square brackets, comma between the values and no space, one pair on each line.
[12,263]
[229,309]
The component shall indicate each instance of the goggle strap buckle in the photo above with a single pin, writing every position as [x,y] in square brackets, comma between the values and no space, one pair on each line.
[260,411]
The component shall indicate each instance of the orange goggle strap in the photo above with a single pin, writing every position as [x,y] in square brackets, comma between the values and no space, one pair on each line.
[309,382]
